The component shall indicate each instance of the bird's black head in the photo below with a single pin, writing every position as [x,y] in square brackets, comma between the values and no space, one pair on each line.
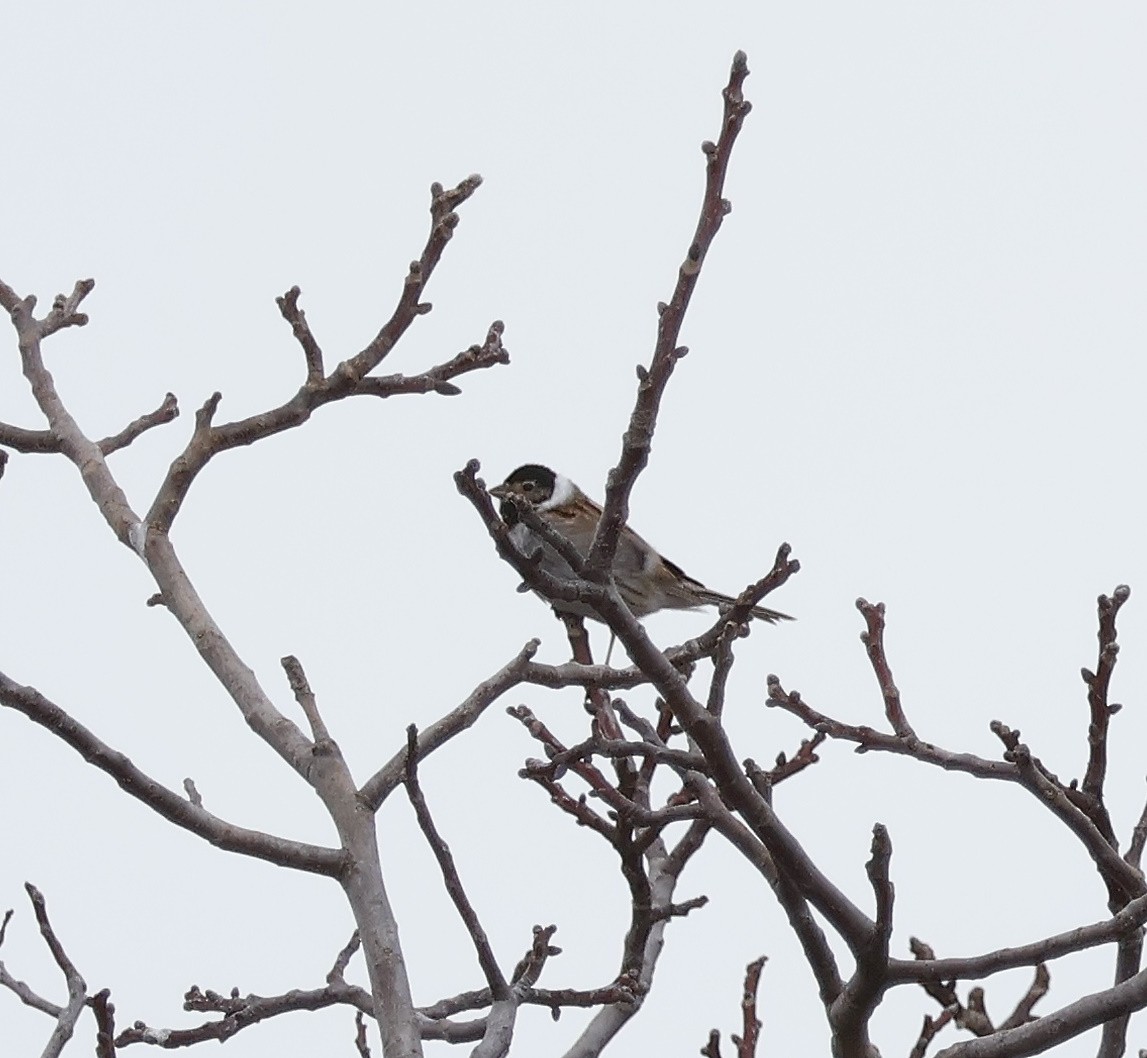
[531,483]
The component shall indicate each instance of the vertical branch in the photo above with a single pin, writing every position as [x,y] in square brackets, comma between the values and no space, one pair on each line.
[639,436]
[1098,683]
[751,1024]
[596,698]
[84,453]
[873,640]
[1128,959]
[101,1005]
[77,987]
[493,974]
[722,667]
[301,689]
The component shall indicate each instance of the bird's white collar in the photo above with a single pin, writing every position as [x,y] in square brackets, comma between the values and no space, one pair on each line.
[564,491]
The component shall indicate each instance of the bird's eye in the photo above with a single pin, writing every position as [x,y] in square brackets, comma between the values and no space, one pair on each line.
[527,486]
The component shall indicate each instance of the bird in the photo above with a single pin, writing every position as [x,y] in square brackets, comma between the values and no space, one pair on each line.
[645,579]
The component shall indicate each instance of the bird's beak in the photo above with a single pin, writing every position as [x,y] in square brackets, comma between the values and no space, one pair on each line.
[499,492]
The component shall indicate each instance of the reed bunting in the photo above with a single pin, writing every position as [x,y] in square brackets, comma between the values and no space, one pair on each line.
[645,580]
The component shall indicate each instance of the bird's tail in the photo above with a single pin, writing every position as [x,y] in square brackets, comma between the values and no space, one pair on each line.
[761,613]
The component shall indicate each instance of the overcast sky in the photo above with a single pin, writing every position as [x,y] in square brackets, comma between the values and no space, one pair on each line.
[916,354]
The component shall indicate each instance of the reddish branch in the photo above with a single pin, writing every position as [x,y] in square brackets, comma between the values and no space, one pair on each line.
[652,381]
[746,1043]
[1123,881]
[1098,684]
[104,1011]
[597,699]
[457,892]
[751,1024]
[546,777]
[868,738]
[873,640]
[785,767]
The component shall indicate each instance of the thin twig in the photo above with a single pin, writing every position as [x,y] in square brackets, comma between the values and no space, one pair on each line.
[380,785]
[297,318]
[927,968]
[45,442]
[652,381]
[486,960]
[750,1023]
[597,698]
[301,689]
[77,987]
[437,379]
[785,767]
[23,992]
[347,379]
[1123,881]
[722,667]
[1022,1013]
[167,803]
[873,640]
[851,1012]
[1134,853]
[360,1043]
[928,1032]
[1098,685]
[868,739]
[104,1011]
[243,1012]
[342,960]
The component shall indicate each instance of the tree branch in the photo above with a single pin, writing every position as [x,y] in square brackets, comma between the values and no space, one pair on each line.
[457,892]
[1059,1026]
[346,379]
[873,640]
[301,689]
[314,859]
[241,1013]
[45,442]
[1098,684]
[666,353]
[868,738]
[851,1012]
[1121,924]
[104,1012]
[1124,882]
[77,987]
[380,785]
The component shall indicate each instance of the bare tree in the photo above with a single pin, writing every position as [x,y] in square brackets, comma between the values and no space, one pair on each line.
[603,779]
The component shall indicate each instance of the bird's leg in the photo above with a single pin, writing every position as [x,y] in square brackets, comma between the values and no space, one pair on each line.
[597,700]
[609,649]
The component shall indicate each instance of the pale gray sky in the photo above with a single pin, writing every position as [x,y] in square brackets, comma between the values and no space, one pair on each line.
[916,355]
